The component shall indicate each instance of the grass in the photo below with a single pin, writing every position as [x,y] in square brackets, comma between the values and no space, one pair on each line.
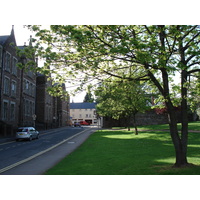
[119,152]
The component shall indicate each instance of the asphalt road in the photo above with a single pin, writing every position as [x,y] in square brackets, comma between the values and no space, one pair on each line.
[36,156]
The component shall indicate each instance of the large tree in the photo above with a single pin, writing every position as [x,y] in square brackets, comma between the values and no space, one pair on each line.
[152,53]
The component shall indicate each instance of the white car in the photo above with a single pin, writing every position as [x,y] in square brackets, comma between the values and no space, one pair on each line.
[27,133]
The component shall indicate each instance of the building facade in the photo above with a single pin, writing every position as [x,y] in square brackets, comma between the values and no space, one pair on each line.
[63,111]
[83,112]
[44,103]
[51,112]
[27,93]
[10,83]
[24,100]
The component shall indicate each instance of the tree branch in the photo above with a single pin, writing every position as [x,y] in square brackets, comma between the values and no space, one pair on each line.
[150,33]
[193,71]
[192,39]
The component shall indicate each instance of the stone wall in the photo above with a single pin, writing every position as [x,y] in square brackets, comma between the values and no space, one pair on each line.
[148,118]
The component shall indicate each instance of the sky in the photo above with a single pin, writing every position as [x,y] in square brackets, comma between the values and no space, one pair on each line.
[22,36]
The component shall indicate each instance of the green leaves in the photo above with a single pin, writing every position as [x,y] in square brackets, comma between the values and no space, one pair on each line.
[118,98]
[127,52]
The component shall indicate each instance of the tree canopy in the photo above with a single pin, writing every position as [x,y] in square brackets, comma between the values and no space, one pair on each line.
[121,99]
[153,54]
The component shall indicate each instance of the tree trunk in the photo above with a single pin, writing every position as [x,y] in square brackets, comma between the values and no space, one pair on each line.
[129,123]
[134,123]
[180,143]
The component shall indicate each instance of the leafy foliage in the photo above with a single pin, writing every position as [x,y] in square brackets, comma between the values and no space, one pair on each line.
[121,99]
[118,99]
[154,54]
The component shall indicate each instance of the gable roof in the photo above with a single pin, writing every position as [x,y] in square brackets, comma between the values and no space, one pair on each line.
[85,105]
[3,39]
[10,38]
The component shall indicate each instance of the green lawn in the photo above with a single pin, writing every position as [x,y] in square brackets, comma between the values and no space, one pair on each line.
[119,152]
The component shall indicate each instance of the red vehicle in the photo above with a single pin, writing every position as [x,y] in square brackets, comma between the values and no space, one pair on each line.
[84,123]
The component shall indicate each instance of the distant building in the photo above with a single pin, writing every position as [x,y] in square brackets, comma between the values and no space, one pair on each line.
[51,112]
[44,103]
[63,111]
[83,112]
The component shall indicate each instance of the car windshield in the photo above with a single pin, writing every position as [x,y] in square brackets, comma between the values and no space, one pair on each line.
[22,130]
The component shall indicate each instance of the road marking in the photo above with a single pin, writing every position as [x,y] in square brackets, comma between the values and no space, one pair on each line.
[71,142]
[38,154]
[7,143]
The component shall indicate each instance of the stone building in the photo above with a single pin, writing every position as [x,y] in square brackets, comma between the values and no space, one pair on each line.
[10,84]
[44,103]
[51,112]
[27,93]
[21,104]
[63,111]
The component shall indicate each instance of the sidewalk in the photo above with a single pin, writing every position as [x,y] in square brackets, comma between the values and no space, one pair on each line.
[40,164]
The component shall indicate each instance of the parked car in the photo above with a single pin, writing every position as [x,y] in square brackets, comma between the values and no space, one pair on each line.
[27,133]
[77,124]
[84,123]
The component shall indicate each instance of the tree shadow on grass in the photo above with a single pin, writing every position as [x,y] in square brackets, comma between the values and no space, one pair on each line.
[123,153]
[152,152]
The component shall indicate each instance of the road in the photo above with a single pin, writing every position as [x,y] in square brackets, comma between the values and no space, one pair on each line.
[13,154]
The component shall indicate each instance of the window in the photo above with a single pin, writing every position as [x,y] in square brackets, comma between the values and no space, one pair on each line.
[12,111]
[13,89]
[27,87]
[6,85]
[86,115]
[5,110]
[8,62]
[30,73]
[14,66]
[80,115]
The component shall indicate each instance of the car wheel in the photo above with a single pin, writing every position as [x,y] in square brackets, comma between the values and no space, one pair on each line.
[37,136]
[30,138]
